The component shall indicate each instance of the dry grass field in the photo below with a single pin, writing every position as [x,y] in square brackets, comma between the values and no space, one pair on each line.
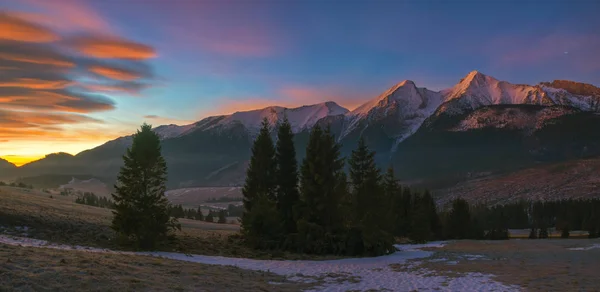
[58,219]
[44,269]
[535,265]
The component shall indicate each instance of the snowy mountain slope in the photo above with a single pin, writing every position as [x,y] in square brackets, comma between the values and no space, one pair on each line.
[403,108]
[301,118]
[529,119]
[478,90]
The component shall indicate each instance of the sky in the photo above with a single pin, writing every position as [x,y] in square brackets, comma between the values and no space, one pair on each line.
[75,74]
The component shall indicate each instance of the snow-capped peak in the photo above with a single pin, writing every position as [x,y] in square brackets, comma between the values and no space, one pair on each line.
[171,131]
[300,118]
[405,103]
[405,90]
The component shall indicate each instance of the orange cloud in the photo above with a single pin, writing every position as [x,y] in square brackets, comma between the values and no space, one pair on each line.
[115,73]
[39,60]
[71,15]
[37,83]
[108,47]
[58,100]
[16,29]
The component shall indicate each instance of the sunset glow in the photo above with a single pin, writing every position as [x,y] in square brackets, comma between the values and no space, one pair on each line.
[77,73]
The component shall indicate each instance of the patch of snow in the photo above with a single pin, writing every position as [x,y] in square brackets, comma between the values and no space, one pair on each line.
[594,246]
[370,273]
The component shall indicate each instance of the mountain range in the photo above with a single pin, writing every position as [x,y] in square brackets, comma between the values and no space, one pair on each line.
[480,126]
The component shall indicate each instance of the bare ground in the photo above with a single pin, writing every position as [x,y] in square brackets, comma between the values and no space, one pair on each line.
[43,269]
[536,265]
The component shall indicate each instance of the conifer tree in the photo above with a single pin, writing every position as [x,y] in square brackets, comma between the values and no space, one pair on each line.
[141,209]
[260,187]
[210,217]
[370,204]
[260,176]
[320,173]
[222,217]
[459,220]
[434,220]
[199,215]
[287,176]
[420,229]
[393,197]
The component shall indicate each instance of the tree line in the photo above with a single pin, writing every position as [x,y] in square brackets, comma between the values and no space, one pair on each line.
[91,199]
[16,185]
[177,211]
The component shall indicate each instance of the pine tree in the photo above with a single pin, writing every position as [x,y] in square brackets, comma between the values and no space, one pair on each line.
[141,208]
[261,187]
[261,173]
[370,204]
[210,217]
[321,220]
[459,220]
[199,215]
[434,220]
[222,217]
[420,229]
[393,197]
[320,173]
[287,176]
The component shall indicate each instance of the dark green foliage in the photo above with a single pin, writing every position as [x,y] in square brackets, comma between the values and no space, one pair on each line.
[370,212]
[565,232]
[222,217]
[261,189]
[459,220]
[199,215]
[91,199]
[141,208]
[210,217]
[533,234]
[420,228]
[261,173]
[543,234]
[320,176]
[262,224]
[286,176]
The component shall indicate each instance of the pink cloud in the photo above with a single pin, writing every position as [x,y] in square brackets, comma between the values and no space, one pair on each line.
[69,15]
[579,52]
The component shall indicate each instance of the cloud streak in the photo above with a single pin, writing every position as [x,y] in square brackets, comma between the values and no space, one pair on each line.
[50,82]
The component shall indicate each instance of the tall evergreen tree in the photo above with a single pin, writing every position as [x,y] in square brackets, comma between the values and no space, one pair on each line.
[320,172]
[141,208]
[370,204]
[420,220]
[365,180]
[260,188]
[261,173]
[287,176]
[199,215]
[393,197]
[459,220]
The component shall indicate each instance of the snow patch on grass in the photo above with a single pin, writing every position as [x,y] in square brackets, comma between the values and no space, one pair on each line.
[331,275]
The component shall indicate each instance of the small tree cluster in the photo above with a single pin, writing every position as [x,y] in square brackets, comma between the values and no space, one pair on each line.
[319,209]
[88,198]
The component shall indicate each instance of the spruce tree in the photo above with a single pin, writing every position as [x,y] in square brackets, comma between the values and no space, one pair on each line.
[434,220]
[199,215]
[459,220]
[141,209]
[393,197]
[286,176]
[260,186]
[420,229]
[321,191]
[261,173]
[320,172]
[370,204]
[210,217]
[222,217]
